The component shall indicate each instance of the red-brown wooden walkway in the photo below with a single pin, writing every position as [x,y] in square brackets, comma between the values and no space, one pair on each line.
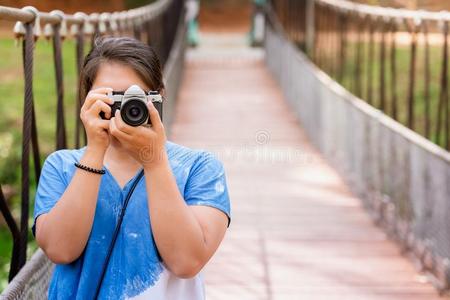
[296,231]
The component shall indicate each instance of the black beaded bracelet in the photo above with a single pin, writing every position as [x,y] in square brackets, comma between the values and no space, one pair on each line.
[89,169]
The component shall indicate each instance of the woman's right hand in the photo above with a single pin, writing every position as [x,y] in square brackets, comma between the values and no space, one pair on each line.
[96,128]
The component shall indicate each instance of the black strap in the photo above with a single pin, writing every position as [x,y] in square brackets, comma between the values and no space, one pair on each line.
[116,233]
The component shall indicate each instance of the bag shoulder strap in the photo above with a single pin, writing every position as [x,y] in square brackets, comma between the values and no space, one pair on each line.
[116,233]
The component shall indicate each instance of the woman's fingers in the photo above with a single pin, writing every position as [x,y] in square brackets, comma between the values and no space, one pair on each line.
[154,116]
[92,98]
[96,128]
[99,106]
[121,125]
[116,132]
[94,95]
[104,124]
[102,90]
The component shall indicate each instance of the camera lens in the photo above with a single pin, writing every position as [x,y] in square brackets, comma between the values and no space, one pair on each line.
[134,112]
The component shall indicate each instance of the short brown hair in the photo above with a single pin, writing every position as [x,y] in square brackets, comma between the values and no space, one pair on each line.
[129,51]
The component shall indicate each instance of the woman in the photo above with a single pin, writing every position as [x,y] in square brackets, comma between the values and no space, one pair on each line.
[176,217]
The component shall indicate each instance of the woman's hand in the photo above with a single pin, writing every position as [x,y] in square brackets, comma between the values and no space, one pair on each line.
[96,128]
[146,144]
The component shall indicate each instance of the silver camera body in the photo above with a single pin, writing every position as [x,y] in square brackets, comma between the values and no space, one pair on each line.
[132,104]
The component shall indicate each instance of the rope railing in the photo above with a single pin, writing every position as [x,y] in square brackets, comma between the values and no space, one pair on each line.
[386,12]
[367,84]
[124,19]
[159,24]
[395,59]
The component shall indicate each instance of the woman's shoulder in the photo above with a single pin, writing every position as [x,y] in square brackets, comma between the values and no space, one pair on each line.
[193,159]
[63,156]
[194,155]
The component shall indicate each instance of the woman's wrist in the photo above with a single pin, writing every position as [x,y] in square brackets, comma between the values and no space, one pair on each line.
[93,157]
[159,161]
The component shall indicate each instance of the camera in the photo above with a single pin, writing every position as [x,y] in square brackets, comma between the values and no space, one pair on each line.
[132,104]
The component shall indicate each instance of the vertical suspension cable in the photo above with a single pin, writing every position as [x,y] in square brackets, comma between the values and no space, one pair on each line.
[358,57]
[427,78]
[61,141]
[79,53]
[370,61]
[27,53]
[412,76]
[393,79]
[443,95]
[382,103]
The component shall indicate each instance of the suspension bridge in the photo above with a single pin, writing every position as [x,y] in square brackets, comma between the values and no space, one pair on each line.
[337,163]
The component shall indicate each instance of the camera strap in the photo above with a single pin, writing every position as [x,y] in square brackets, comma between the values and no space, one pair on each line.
[116,233]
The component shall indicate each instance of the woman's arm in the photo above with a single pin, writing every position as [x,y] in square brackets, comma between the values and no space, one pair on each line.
[186,236]
[63,232]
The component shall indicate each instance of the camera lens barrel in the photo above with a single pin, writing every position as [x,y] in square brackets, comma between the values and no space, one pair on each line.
[134,112]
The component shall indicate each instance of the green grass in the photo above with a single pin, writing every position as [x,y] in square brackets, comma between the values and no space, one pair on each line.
[11,103]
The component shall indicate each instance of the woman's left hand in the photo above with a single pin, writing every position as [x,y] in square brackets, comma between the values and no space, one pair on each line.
[146,144]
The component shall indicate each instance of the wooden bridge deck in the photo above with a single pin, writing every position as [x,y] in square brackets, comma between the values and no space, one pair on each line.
[296,230]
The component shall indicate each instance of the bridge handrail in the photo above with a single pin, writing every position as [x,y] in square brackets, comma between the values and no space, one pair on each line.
[140,14]
[386,12]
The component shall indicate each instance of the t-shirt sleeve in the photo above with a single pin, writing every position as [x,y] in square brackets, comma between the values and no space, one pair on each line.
[206,184]
[52,185]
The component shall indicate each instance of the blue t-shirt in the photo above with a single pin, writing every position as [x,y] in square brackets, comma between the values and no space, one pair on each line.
[135,270]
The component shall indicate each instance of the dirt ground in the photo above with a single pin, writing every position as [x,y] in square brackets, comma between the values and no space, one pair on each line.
[225,15]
